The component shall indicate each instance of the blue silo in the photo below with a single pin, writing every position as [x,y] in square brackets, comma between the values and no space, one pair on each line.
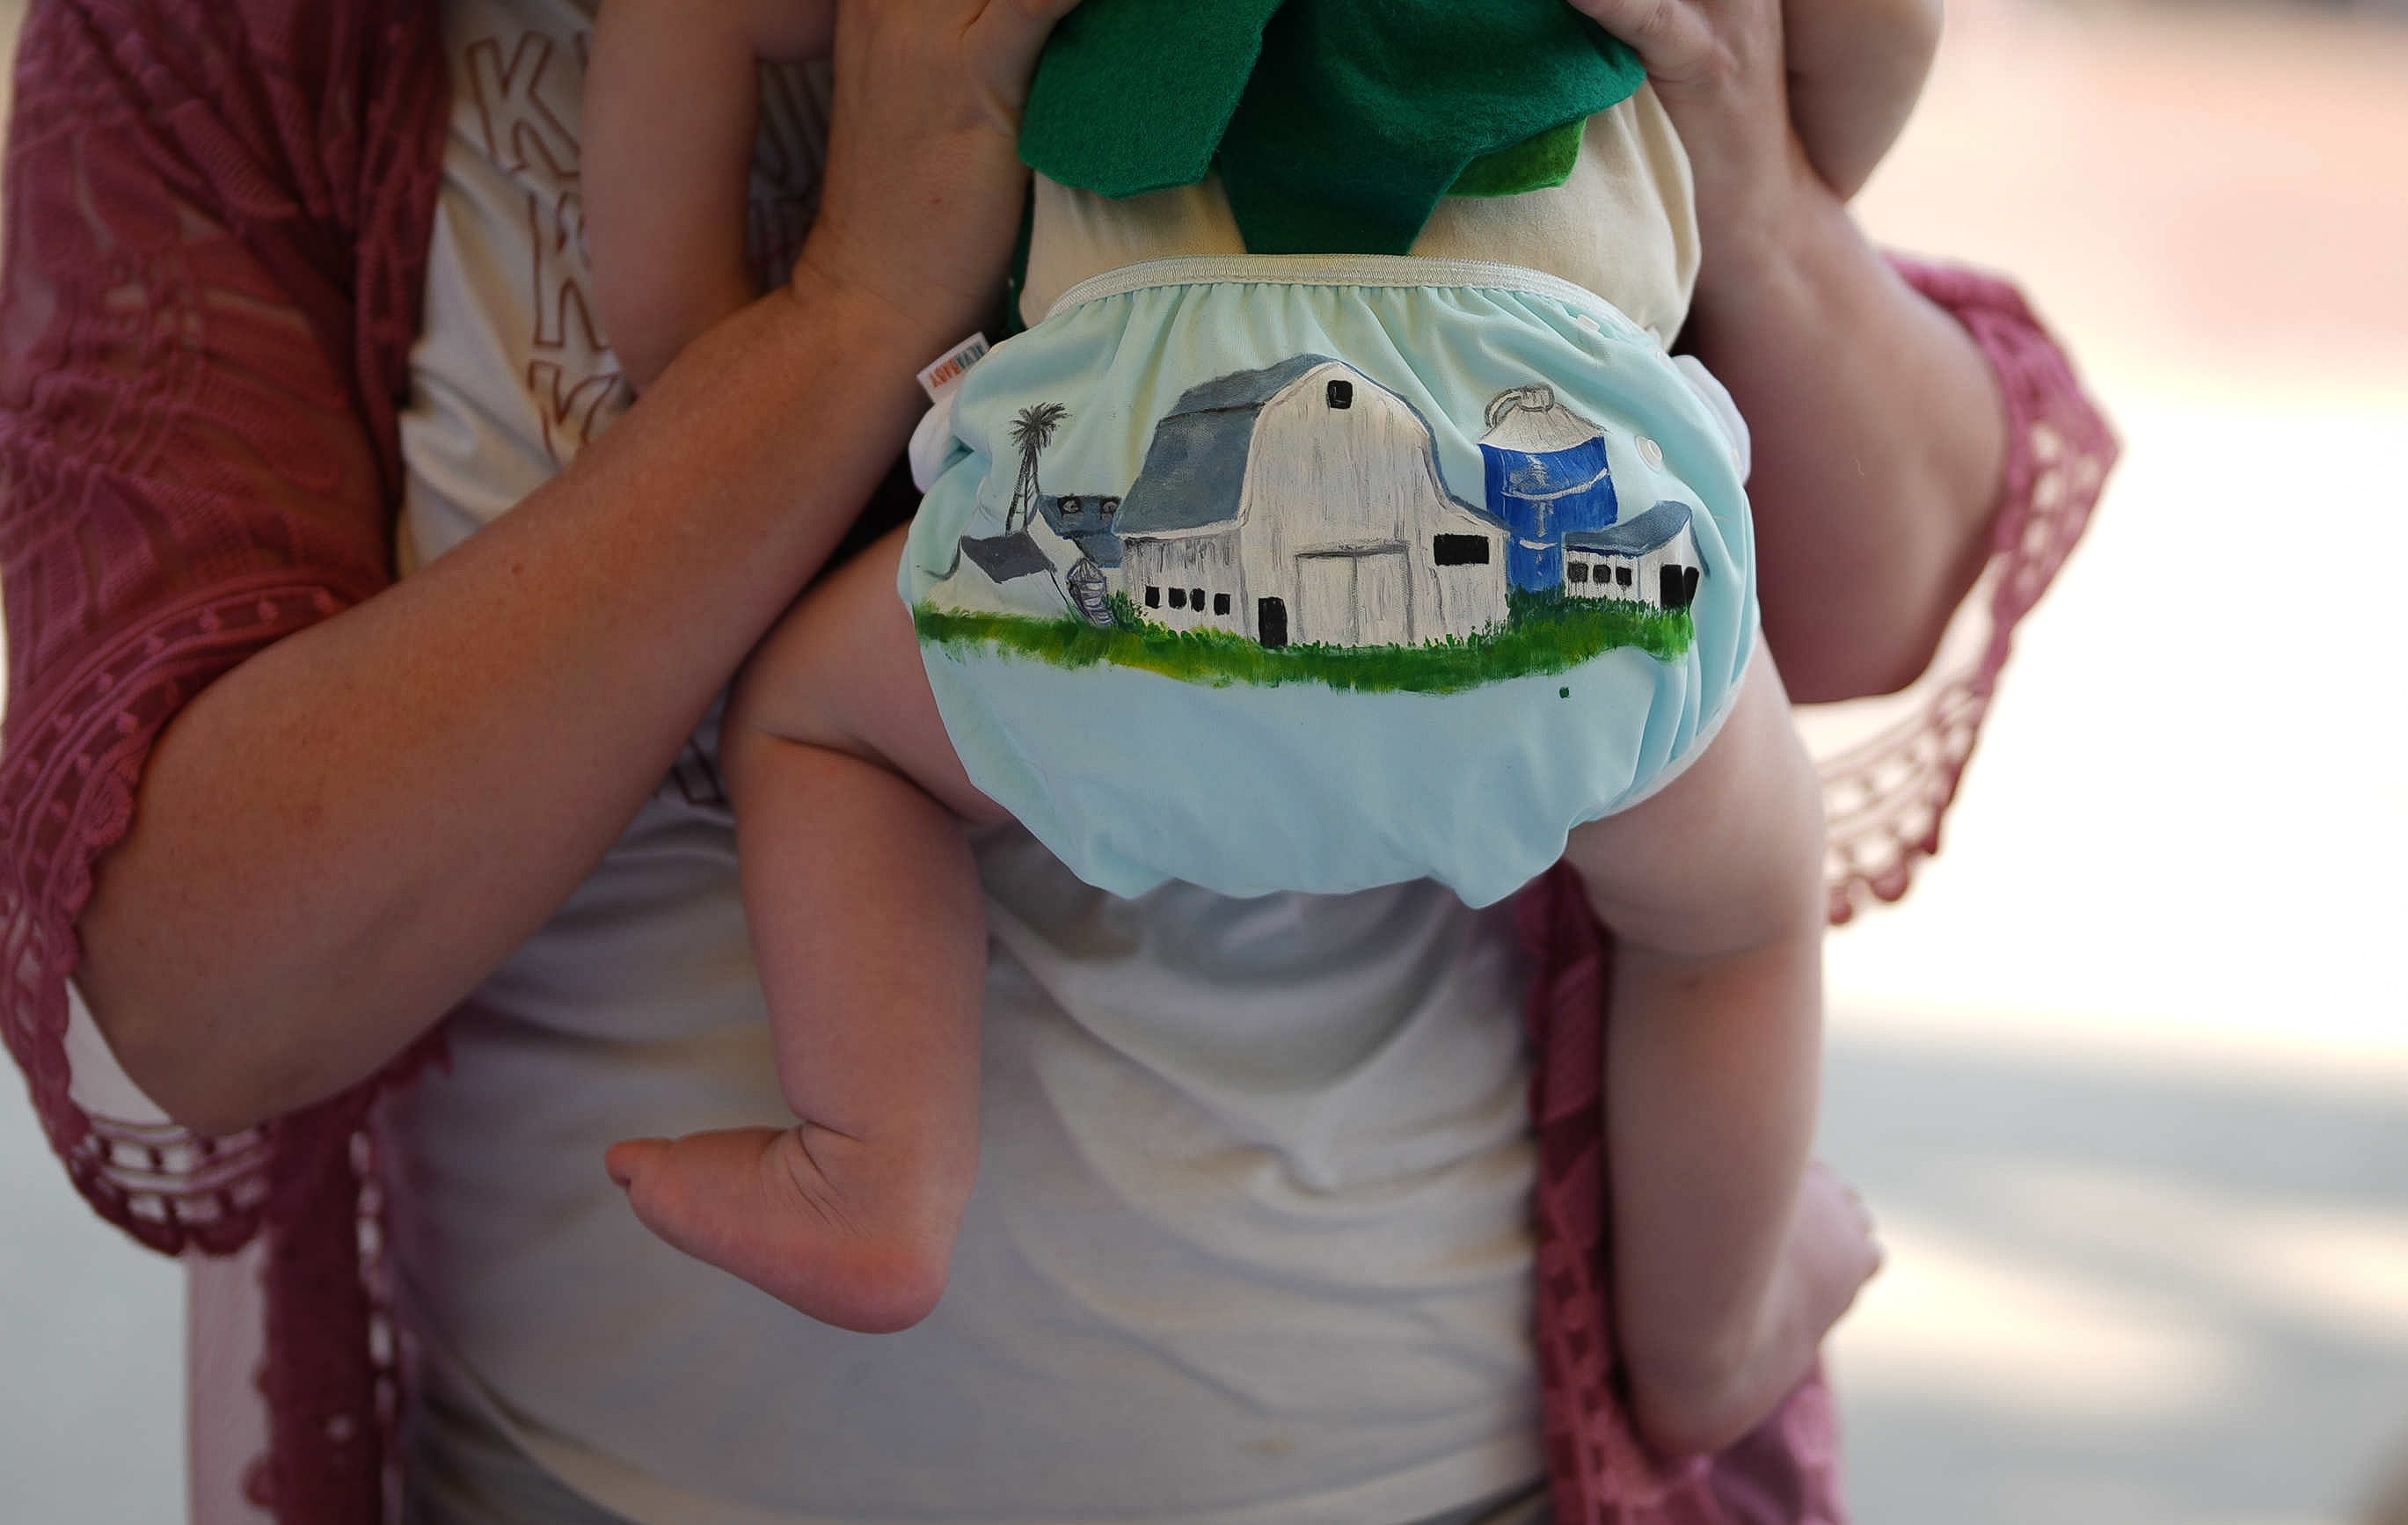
[1547,478]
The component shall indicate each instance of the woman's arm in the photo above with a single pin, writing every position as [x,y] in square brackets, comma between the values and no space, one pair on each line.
[1880,431]
[336,842]
[1880,448]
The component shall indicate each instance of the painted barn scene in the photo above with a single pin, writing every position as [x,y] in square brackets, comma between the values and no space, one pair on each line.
[1296,523]
[1303,505]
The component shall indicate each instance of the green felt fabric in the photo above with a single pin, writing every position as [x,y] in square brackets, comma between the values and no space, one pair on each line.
[1338,124]
[1534,163]
[1134,96]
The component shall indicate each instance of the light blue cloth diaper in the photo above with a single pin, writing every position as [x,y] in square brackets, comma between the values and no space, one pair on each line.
[1319,573]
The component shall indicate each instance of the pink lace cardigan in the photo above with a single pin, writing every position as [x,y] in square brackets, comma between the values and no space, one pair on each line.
[217,218]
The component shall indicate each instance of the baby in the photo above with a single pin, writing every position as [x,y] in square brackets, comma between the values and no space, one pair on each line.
[1341,520]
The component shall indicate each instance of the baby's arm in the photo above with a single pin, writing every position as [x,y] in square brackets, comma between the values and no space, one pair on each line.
[864,908]
[1726,1274]
[671,99]
[1856,67]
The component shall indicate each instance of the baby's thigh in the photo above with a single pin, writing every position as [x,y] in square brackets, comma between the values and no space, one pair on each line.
[1730,851]
[844,671]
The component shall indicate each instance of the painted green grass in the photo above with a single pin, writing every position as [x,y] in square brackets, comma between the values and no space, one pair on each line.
[1547,635]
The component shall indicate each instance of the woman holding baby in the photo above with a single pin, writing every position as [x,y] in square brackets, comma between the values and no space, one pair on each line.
[296,298]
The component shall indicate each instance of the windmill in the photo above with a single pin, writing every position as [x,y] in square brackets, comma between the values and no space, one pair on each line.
[1032,432]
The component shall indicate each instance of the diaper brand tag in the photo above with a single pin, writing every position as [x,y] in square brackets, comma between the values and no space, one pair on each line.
[940,379]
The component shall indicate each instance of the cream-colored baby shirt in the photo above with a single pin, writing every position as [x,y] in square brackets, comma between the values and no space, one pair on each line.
[1624,227]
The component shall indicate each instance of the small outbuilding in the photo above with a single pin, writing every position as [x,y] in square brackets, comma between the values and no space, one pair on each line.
[1007,558]
[1019,573]
[1304,504]
[1548,478]
[1652,560]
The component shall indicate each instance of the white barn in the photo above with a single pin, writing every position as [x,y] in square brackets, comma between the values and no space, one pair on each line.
[1651,559]
[1303,504]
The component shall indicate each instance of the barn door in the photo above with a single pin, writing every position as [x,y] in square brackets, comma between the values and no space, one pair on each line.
[1324,601]
[1678,586]
[1354,598]
[1382,606]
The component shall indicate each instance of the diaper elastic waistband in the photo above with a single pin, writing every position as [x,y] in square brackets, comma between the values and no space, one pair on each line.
[1380,271]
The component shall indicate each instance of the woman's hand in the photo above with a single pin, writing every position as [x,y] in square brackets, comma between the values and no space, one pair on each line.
[1719,68]
[925,182]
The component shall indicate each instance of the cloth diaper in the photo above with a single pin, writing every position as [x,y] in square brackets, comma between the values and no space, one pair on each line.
[1323,573]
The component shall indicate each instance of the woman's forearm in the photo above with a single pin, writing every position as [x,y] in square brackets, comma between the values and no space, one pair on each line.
[1880,445]
[335,843]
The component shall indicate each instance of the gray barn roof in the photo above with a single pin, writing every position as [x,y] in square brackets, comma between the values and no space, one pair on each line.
[1006,558]
[1636,536]
[1195,472]
[1196,469]
[1249,388]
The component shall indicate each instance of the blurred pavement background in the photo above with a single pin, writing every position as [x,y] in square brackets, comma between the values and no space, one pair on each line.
[2127,1079]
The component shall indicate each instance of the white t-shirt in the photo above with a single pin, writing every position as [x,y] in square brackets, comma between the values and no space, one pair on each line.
[1249,1242]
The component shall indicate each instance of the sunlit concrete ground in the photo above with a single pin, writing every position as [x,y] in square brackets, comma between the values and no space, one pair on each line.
[2127,1080]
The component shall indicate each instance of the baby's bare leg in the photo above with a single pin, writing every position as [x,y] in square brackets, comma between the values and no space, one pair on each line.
[866,923]
[1856,67]
[1725,1277]
[670,109]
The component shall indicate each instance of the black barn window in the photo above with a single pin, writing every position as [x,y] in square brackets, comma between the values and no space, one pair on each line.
[1220,603]
[1152,595]
[1461,550]
[1341,394]
[1577,572]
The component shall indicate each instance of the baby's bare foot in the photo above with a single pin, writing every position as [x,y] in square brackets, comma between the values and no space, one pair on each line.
[1829,1256]
[869,1254]
[1832,1248]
